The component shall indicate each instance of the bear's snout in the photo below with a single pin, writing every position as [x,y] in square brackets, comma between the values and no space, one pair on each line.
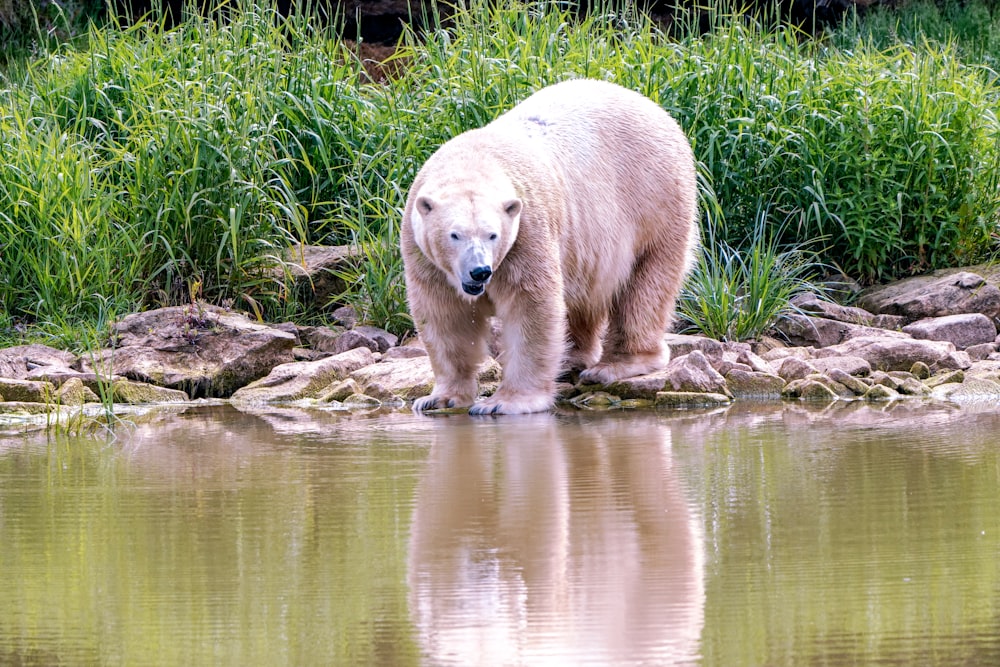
[480,276]
[481,273]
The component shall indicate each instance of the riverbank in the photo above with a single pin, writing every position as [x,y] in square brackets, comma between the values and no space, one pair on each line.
[932,337]
[151,167]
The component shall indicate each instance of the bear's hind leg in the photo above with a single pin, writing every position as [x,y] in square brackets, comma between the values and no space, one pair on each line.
[585,330]
[640,314]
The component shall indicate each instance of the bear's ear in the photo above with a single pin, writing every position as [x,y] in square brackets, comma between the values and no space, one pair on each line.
[512,207]
[425,205]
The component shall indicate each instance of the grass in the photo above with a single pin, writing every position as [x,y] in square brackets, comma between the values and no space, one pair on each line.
[738,293]
[152,160]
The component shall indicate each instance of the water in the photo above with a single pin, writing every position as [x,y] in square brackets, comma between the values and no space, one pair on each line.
[757,535]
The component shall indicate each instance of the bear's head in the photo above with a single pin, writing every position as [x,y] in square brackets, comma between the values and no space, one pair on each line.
[466,233]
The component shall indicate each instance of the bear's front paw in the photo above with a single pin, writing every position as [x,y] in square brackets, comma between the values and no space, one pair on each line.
[433,402]
[512,405]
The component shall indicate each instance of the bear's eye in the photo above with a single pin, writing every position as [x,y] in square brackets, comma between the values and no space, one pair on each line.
[493,237]
[454,236]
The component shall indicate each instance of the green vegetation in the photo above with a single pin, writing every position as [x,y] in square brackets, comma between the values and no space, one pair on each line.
[152,161]
[737,293]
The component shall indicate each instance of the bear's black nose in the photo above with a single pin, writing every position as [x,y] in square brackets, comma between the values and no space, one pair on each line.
[481,273]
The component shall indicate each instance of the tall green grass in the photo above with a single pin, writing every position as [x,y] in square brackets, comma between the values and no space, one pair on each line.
[155,160]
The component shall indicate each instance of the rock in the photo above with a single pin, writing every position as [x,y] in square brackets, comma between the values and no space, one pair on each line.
[878,392]
[946,377]
[894,354]
[981,351]
[404,352]
[345,316]
[641,386]
[314,271]
[970,389]
[839,389]
[136,393]
[848,364]
[597,399]
[889,322]
[303,379]
[812,304]
[339,391]
[775,356]
[202,350]
[324,339]
[920,370]
[793,368]
[756,363]
[30,408]
[407,379]
[848,380]
[884,379]
[682,344]
[911,386]
[27,391]
[803,330]
[809,389]
[962,331]
[692,372]
[935,295]
[684,399]
[754,384]
[17,362]
[74,392]
[361,401]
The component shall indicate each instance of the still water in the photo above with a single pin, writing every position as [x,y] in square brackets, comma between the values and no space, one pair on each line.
[755,535]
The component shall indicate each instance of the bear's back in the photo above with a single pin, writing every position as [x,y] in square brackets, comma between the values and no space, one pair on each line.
[628,171]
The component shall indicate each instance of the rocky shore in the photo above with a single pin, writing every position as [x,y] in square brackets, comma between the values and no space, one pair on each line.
[931,337]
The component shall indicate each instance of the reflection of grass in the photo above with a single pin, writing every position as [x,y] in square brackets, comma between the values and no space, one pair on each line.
[737,293]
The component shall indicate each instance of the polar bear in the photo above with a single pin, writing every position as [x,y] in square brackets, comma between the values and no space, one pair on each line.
[573,219]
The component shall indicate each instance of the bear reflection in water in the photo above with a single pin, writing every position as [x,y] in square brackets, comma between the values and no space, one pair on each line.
[558,538]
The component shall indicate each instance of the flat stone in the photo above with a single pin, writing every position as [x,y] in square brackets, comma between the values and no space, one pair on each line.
[878,392]
[981,351]
[793,368]
[27,391]
[303,379]
[74,392]
[941,293]
[640,386]
[803,330]
[946,377]
[964,330]
[694,373]
[856,386]
[812,304]
[892,354]
[808,389]
[137,393]
[18,361]
[683,344]
[687,399]
[753,384]
[848,364]
[315,271]
[969,390]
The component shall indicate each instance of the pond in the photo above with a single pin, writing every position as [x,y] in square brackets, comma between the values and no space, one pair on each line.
[769,534]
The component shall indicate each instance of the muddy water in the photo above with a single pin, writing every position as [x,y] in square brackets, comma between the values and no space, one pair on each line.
[757,535]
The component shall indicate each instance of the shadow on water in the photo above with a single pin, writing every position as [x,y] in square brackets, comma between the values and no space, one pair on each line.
[771,534]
